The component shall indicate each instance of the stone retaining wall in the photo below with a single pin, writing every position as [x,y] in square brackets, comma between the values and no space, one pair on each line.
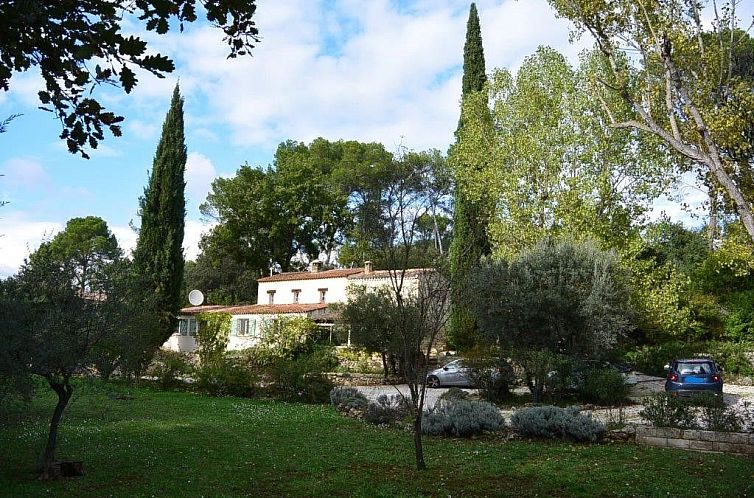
[357,379]
[724,442]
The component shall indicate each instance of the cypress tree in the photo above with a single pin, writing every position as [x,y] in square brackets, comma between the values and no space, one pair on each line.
[470,240]
[158,257]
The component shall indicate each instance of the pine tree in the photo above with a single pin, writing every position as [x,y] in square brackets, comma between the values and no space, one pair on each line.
[470,240]
[158,256]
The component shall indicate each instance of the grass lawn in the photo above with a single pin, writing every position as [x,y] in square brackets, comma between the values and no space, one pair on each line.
[182,444]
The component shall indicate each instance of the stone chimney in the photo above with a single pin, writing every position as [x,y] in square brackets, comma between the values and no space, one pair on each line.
[368,267]
[316,266]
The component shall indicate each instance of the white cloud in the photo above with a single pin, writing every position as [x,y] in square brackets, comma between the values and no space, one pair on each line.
[126,238]
[199,175]
[20,237]
[191,236]
[24,173]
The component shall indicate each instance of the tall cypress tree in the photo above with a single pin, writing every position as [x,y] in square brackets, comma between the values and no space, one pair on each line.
[470,240]
[158,256]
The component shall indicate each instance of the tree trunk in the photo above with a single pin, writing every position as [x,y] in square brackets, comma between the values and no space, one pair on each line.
[418,448]
[384,365]
[63,390]
[712,228]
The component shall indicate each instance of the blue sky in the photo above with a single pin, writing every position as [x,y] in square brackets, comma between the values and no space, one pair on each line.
[381,70]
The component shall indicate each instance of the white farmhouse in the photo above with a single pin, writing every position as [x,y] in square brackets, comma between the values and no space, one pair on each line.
[290,294]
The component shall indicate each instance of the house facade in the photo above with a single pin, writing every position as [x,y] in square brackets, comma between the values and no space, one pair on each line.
[286,295]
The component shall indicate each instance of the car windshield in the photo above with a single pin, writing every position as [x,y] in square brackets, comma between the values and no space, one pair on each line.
[694,368]
[454,364]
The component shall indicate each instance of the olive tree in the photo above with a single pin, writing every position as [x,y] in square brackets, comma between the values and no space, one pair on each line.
[556,298]
[49,328]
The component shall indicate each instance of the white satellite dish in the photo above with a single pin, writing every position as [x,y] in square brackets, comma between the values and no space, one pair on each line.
[196,297]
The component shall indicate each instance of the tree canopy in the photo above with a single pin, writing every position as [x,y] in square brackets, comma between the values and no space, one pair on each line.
[78,46]
[687,86]
[550,165]
[470,212]
[158,256]
[86,247]
[559,296]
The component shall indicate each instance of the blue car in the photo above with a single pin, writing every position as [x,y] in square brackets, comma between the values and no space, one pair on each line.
[693,376]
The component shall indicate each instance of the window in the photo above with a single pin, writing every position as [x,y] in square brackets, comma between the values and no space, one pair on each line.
[296,293]
[187,326]
[271,297]
[322,293]
[242,326]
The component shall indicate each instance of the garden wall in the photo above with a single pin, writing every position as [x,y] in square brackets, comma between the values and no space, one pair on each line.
[688,439]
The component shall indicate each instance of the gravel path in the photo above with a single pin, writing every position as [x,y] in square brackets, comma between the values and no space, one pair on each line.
[642,386]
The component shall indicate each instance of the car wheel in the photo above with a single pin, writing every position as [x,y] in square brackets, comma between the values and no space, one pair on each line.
[433,381]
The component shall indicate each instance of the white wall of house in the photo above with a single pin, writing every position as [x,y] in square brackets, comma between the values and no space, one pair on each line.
[410,283]
[309,290]
[246,331]
[180,343]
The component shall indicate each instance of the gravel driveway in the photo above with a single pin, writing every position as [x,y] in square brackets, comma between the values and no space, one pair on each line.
[643,385]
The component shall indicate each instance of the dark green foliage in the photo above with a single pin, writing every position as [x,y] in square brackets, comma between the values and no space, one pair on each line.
[559,296]
[219,274]
[226,376]
[470,241]
[87,246]
[602,386]
[663,410]
[731,357]
[493,377]
[387,409]
[49,328]
[462,418]
[348,398]
[80,36]
[454,394]
[715,415]
[556,422]
[292,208]
[302,378]
[651,360]
[474,75]
[168,367]
[158,255]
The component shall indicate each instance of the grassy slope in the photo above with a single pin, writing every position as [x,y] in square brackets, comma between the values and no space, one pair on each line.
[181,444]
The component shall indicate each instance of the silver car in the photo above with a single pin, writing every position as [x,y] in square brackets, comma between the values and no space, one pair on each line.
[455,373]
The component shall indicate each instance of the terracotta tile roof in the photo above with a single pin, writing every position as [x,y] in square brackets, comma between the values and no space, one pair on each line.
[411,272]
[308,275]
[256,309]
[192,310]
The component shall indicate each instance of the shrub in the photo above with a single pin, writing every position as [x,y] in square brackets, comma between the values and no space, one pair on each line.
[454,393]
[226,377]
[354,360]
[493,377]
[556,422]
[651,360]
[387,409]
[732,358]
[301,378]
[603,386]
[347,398]
[715,415]
[663,410]
[167,366]
[464,418]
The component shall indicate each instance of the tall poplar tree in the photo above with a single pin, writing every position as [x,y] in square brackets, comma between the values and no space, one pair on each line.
[470,240]
[158,256]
